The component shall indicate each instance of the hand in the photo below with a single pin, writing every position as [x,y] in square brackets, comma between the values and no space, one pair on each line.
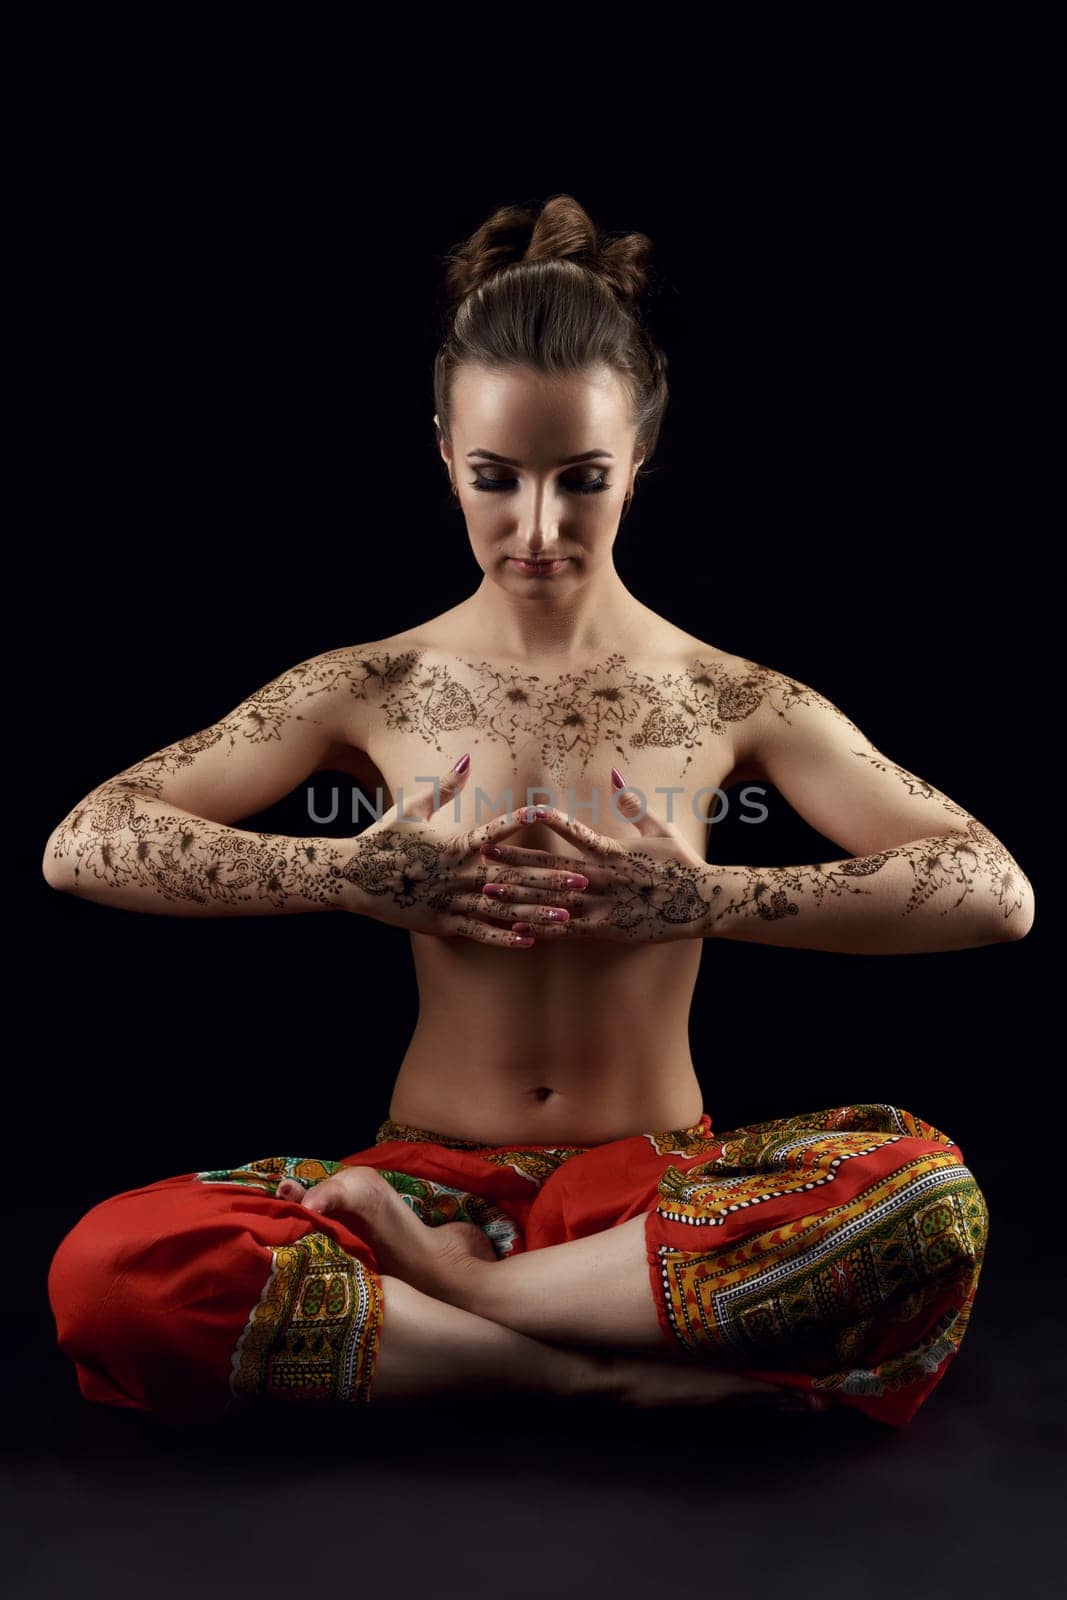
[639,893]
[407,873]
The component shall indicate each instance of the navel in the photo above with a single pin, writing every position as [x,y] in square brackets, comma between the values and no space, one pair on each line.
[542,1094]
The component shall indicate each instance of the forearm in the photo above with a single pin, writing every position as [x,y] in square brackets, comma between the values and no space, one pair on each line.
[125,847]
[947,892]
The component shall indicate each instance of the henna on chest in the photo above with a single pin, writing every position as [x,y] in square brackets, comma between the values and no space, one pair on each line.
[559,726]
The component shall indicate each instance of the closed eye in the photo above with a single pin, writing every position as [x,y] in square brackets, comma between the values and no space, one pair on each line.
[584,486]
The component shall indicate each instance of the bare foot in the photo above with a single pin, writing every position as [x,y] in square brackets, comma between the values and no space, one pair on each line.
[653,1383]
[432,1259]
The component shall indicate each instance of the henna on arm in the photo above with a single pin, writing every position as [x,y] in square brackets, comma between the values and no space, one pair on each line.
[949,892]
[138,841]
[954,891]
[125,846]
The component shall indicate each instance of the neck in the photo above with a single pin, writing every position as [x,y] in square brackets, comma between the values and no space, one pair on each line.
[601,615]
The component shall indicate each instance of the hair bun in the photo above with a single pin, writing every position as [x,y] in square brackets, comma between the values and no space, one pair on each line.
[561,230]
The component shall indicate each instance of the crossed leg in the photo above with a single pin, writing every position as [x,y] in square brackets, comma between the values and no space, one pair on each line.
[502,1317]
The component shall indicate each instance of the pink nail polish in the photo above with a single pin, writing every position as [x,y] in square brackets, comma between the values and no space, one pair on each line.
[559,915]
[462,764]
[490,850]
[522,927]
[575,880]
[617,778]
[495,889]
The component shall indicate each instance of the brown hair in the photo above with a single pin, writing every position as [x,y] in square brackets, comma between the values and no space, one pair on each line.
[546,289]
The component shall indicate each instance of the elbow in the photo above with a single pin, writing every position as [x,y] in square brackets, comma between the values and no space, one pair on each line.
[1017,919]
[54,865]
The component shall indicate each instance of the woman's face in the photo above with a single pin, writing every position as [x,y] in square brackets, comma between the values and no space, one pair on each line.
[539,519]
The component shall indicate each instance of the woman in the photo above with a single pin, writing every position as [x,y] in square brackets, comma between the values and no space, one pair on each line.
[588,1231]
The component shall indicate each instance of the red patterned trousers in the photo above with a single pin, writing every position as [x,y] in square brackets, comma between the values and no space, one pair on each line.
[837,1250]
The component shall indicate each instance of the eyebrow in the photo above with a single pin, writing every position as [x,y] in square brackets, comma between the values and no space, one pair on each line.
[586,455]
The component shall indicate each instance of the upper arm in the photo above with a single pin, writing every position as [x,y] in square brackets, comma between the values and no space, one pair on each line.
[832,774]
[258,752]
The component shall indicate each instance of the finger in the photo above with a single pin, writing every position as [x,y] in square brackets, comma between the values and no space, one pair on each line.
[599,844]
[466,928]
[499,828]
[540,878]
[516,855]
[579,927]
[507,891]
[527,911]
[631,805]
[542,930]
[421,807]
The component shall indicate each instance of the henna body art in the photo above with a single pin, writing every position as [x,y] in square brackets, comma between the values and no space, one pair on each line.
[952,892]
[570,717]
[949,892]
[126,847]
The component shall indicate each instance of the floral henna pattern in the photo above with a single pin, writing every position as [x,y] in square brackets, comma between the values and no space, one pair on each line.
[781,693]
[656,900]
[914,785]
[945,871]
[261,716]
[772,893]
[115,839]
[570,717]
[651,900]
[407,869]
[963,861]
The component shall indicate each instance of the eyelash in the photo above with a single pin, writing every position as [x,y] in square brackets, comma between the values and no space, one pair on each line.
[495,485]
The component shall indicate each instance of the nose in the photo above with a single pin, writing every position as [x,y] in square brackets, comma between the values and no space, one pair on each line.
[539,523]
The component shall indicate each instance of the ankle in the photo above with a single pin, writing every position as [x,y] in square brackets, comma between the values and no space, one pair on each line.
[595,1375]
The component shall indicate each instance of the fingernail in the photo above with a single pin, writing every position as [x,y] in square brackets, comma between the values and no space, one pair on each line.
[558,915]
[493,889]
[490,850]
[522,927]
[575,880]
[462,764]
[617,778]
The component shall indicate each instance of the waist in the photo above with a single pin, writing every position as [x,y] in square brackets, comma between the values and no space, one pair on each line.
[683,1140]
[494,1092]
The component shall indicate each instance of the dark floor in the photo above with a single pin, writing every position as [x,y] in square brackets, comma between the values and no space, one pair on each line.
[519,1498]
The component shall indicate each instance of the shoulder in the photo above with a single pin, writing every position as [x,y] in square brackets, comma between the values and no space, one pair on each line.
[747,693]
[362,671]
[758,702]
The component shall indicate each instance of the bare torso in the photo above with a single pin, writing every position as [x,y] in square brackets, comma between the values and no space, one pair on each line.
[570,1041]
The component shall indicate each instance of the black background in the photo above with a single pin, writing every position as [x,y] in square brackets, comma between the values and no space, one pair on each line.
[246,475]
[232,314]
